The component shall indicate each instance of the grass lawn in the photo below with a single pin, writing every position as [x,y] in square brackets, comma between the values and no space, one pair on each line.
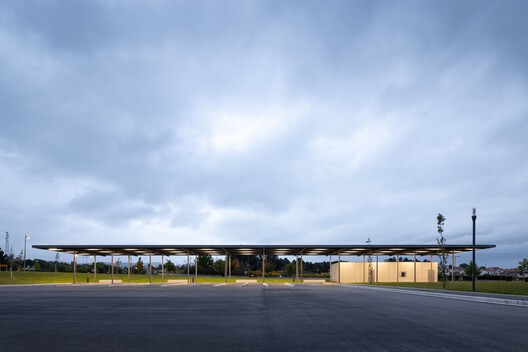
[506,287]
[30,277]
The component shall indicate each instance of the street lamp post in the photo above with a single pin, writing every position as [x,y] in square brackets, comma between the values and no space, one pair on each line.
[473,269]
[26,237]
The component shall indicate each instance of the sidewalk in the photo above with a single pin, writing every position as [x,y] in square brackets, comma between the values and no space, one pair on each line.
[493,298]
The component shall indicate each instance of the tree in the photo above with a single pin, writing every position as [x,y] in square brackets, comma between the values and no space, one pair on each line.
[3,257]
[235,266]
[442,265]
[468,270]
[170,267]
[140,267]
[117,266]
[523,266]
[205,262]
[20,259]
[219,266]
[289,269]
[36,265]
[270,265]
[11,259]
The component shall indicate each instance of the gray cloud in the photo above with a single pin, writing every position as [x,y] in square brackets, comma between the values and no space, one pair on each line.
[264,122]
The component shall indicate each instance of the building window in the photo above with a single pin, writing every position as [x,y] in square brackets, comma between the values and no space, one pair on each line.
[403,274]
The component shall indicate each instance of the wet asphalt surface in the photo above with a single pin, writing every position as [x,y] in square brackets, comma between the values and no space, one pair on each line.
[250,318]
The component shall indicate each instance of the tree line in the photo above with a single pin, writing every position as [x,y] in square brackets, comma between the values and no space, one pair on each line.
[206,265]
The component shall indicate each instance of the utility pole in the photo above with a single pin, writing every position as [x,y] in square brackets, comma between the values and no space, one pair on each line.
[6,248]
[9,252]
[474,268]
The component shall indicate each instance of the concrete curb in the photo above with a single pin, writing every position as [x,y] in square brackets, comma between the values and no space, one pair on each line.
[503,301]
[31,285]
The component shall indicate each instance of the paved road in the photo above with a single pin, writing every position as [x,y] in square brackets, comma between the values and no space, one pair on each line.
[250,318]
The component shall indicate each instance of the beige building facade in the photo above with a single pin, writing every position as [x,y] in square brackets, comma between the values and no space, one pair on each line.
[349,272]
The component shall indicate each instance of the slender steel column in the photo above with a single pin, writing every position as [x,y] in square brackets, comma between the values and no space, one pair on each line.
[95,268]
[188,269]
[150,268]
[453,266]
[414,266]
[377,267]
[301,267]
[339,268]
[195,268]
[230,267]
[263,265]
[397,268]
[225,268]
[112,267]
[162,268]
[74,267]
[330,267]
[296,267]
[129,268]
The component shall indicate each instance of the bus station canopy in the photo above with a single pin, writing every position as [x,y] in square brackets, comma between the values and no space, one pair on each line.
[279,250]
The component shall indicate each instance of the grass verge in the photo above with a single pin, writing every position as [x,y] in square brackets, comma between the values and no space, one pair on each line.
[21,277]
[503,287]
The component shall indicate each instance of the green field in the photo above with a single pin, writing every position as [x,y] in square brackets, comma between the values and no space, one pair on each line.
[506,287]
[20,277]
[29,277]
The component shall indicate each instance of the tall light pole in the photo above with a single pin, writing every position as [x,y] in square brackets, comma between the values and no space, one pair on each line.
[370,276]
[474,268]
[26,237]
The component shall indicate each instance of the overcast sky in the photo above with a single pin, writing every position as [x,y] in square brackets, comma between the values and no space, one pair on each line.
[264,122]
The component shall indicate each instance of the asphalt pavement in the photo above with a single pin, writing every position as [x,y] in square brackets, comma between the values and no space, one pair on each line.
[250,318]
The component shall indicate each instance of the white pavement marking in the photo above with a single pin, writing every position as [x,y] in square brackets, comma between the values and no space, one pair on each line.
[222,284]
[492,300]
[289,285]
[265,284]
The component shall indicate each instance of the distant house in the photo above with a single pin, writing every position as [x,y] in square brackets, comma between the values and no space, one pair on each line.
[458,271]
[511,273]
[492,271]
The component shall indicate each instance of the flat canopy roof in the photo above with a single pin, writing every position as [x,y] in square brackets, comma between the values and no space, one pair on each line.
[280,250]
